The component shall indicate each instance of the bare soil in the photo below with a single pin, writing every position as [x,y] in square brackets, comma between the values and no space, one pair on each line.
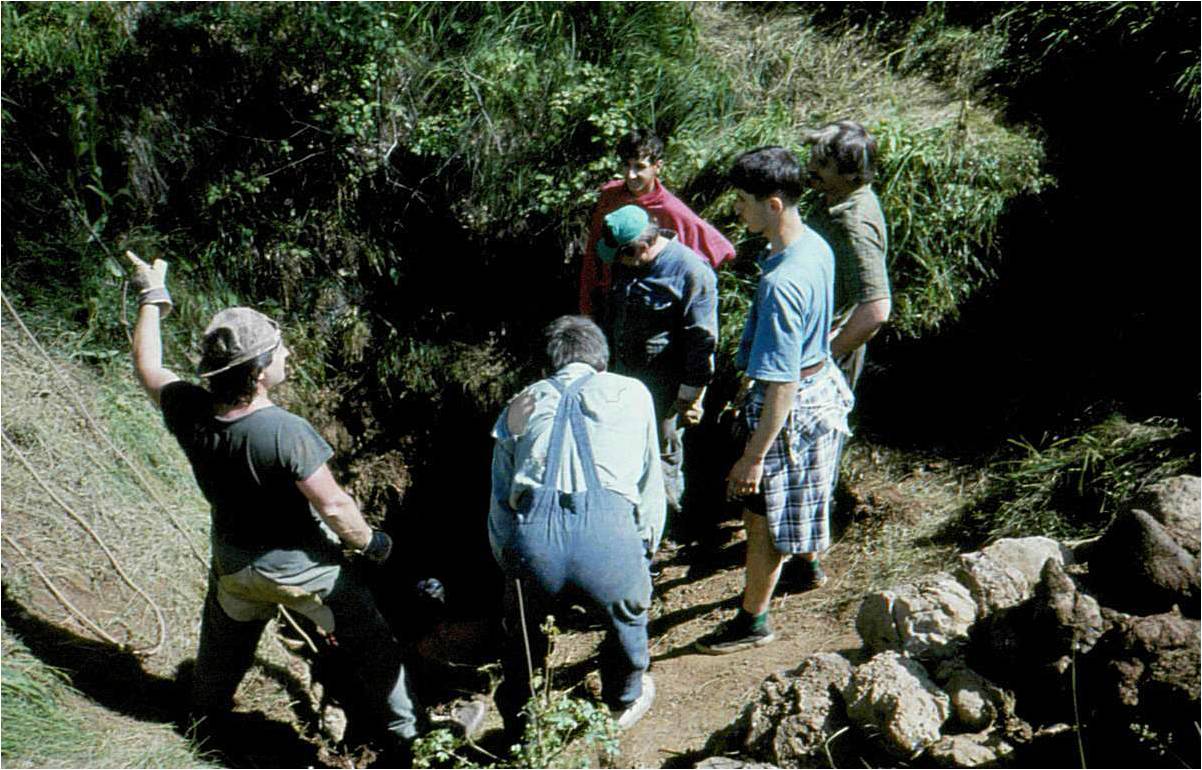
[894,506]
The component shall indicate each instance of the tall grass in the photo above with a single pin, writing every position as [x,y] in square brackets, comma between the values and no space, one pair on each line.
[1070,487]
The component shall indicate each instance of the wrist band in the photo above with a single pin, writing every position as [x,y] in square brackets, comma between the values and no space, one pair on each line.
[378,548]
[156,296]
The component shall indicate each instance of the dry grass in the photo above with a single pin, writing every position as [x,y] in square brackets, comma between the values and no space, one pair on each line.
[779,55]
[43,417]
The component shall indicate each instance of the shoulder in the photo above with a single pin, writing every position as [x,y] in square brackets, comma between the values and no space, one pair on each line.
[611,194]
[184,402]
[276,420]
[619,387]
[676,209]
[692,265]
[861,207]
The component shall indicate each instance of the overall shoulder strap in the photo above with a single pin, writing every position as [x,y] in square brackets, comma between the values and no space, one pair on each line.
[567,398]
[583,446]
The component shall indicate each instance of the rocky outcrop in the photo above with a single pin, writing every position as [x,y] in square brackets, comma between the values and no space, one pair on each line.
[796,713]
[976,702]
[1146,671]
[1021,655]
[929,618]
[892,694]
[1138,567]
[1031,647]
[982,750]
[1004,574]
[1177,504]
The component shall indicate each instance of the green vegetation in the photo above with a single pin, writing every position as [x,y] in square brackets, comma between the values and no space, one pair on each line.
[405,186]
[47,723]
[1070,487]
[562,730]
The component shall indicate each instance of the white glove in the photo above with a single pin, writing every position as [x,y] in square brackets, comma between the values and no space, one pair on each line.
[151,282]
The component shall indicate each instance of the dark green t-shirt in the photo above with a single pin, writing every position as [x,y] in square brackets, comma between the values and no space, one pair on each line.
[855,230]
[247,469]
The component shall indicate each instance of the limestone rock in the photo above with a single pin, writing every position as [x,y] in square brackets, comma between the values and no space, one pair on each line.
[1146,671]
[1177,504]
[976,702]
[1029,647]
[1003,574]
[893,695]
[929,618]
[1137,567]
[796,712]
[971,750]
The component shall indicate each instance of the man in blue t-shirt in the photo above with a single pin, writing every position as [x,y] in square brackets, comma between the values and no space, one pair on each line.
[796,400]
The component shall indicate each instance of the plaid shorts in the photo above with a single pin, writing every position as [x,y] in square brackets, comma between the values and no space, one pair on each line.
[800,464]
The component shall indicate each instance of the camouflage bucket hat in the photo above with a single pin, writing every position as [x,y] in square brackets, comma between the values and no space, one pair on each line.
[234,336]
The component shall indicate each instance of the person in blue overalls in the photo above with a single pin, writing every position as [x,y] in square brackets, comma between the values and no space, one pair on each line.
[577,510]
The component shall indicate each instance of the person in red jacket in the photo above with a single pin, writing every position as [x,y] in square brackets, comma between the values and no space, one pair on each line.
[641,155]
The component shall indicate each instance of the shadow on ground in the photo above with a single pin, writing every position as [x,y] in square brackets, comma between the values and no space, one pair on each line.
[116,680]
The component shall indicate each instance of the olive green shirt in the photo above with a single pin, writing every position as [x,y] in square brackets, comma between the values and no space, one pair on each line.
[855,229]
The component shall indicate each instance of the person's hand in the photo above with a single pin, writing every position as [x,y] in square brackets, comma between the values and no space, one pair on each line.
[745,477]
[150,281]
[379,548]
[690,412]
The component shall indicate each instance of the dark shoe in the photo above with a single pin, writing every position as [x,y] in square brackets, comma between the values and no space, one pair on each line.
[732,636]
[627,717]
[803,575]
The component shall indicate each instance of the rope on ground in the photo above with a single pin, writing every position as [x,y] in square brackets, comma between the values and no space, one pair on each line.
[91,421]
[158,613]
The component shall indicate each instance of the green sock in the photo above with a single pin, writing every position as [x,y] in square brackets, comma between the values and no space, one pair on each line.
[754,622]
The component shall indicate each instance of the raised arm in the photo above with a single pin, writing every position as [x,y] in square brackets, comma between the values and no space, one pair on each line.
[154,303]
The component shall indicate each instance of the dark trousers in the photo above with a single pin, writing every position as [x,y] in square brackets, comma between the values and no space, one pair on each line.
[227,650]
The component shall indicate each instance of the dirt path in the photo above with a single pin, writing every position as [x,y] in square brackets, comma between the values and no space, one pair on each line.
[899,502]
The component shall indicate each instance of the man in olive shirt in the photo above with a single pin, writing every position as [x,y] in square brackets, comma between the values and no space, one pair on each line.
[841,168]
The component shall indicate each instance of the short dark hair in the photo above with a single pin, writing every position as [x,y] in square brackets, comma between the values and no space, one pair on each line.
[767,171]
[849,145]
[640,143]
[237,385]
[576,339]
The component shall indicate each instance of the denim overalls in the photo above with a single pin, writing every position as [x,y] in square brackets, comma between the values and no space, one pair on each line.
[573,544]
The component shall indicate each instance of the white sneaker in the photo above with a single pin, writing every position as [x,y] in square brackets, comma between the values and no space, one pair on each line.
[627,717]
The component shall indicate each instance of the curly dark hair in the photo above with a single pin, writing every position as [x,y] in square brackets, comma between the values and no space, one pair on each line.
[237,386]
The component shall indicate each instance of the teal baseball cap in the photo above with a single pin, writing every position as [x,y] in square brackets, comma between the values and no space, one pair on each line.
[621,227]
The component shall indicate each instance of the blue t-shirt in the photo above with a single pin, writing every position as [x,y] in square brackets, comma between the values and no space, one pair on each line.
[790,319]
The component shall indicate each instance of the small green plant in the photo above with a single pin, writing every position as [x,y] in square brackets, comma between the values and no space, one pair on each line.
[562,730]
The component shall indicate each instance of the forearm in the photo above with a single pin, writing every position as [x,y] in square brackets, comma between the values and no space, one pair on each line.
[866,320]
[778,402]
[148,352]
[148,341]
[343,516]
